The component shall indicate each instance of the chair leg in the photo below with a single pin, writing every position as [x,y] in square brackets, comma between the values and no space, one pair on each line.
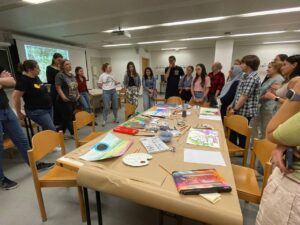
[41,204]
[81,203]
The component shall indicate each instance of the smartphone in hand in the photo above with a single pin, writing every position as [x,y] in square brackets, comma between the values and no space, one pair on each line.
[289,158]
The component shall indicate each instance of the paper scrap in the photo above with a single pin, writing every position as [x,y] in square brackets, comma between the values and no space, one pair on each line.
[212,197]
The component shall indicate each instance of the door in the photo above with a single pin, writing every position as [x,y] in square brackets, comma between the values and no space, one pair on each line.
[145,63]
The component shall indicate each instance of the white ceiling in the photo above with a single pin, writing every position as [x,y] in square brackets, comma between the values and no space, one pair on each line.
[82,22]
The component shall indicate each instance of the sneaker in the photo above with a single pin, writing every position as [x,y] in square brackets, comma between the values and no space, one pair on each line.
[68,137]
[116,120]
[57,149]
[103,123]
[8,184]
[41,166]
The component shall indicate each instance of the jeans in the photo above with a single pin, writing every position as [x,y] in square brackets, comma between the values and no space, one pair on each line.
[67,109]
[110,97]
[43,117]
[148,101]
[85,101]
[198,94]
[9,125]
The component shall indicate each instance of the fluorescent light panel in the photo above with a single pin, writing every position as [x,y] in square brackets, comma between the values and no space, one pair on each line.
[36,1]
[130,29]
[116,45]
[185,22]
[256,34]
[200,38]
[153,42]
[176,49]
[281,42]
[271,12]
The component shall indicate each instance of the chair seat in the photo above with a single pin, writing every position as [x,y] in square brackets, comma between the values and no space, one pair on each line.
[90,137]
[246,183]
[59,177]
[233,149]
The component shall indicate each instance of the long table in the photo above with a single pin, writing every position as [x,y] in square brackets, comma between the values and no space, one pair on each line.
[153,184]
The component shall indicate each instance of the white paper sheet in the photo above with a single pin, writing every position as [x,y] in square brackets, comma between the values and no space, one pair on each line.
[203,157]
[207,117]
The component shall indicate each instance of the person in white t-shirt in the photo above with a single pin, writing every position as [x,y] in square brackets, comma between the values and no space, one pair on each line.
[108,84]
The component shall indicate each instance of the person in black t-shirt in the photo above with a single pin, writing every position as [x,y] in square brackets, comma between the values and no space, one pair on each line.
[9,125]
[173,74]
[38,102]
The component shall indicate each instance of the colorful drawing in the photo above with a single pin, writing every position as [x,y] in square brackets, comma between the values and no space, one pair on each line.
[202,137]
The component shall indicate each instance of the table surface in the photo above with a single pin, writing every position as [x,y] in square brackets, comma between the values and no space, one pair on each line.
[153,184]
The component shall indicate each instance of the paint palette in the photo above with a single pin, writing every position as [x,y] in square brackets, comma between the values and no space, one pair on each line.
[137,159]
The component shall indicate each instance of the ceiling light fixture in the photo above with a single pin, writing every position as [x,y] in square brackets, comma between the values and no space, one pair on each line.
[271,12]
[116,45]
[173,49]
[200,38]
[185,22]
[129,29]
[256,34]
[280,42]
[153,42]
[36,1]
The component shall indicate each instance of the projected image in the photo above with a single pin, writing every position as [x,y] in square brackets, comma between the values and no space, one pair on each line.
[43,55]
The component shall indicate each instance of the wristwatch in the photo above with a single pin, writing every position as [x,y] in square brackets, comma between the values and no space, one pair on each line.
[291,95]
[276,99]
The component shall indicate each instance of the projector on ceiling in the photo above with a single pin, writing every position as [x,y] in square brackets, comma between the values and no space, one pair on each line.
[121,33]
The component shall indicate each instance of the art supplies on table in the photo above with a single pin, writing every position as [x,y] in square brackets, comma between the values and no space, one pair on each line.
[137,159]
[209,113]
[154,145]
[203,137]
[125,130]
[204,157]
[162,105]
[110,146]
[194,182]
[138,122]
[158,112]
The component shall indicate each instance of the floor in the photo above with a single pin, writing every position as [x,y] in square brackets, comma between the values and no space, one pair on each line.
[19,206]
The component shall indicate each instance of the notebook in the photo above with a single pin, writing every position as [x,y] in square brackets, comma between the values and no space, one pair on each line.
[202,181]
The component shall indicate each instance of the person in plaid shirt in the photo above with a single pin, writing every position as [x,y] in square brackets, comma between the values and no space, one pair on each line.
[246,99]
[217,81]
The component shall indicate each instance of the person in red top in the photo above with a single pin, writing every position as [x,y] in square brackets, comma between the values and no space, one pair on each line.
[83,90]
[217,80]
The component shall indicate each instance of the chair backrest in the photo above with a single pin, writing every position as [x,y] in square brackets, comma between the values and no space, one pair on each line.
[129,110]
[262,151]
[82,119]
[237,123]
[174,100]
[44,142]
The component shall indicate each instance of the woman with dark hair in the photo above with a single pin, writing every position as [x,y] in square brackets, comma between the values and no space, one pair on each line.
[281,58]
[185,85]
[289,70]
[38,103]
[108,84]
[149,88]
[83,90]
[51,72]
[200,84]
[132,83]
[68,95]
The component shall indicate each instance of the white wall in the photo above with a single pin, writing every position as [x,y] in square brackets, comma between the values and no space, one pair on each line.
[184,58]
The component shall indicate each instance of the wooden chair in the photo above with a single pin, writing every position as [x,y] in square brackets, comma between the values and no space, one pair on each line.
[122,96]
[245,178]
[42,144]
[174,100]
[82,119]
[203,104]
[8,145]
[239,124]
[160,99]
[129,110]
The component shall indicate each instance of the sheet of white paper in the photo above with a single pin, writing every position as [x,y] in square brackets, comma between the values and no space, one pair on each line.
[203,157]
[207,117]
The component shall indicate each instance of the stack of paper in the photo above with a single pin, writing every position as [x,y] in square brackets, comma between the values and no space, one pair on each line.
[209,114]
[110,146]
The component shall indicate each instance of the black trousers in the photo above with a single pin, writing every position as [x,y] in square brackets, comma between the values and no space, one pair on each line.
[67,110]
[186,95]
[212,100]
